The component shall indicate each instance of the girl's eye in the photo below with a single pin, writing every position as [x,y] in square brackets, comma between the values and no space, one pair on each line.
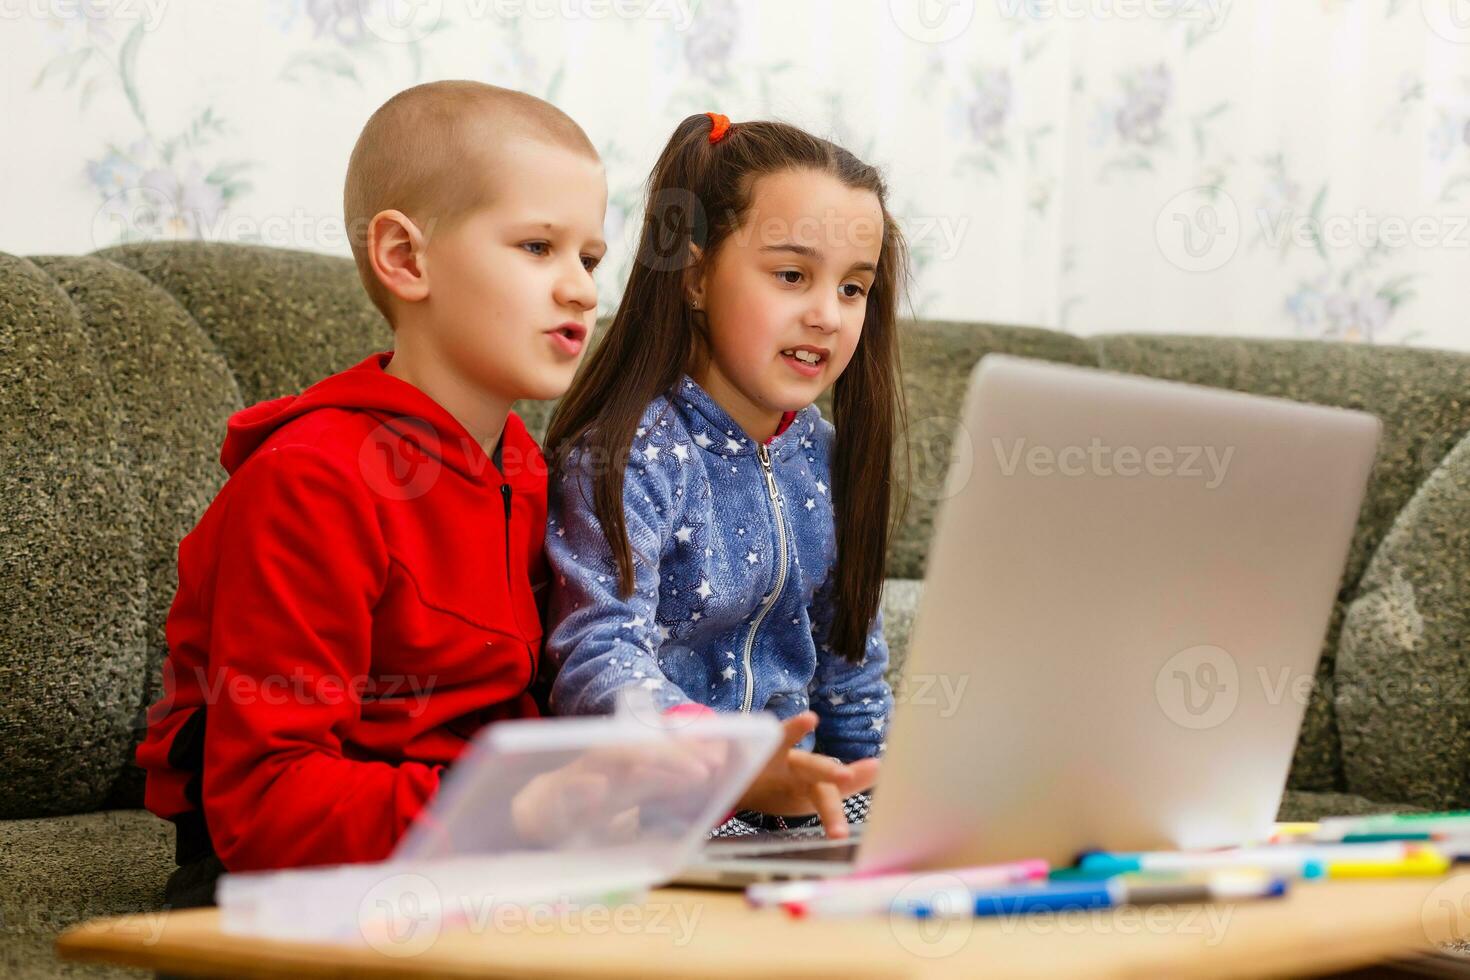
[533,246]
[852,290]
[589,262]
[789,272]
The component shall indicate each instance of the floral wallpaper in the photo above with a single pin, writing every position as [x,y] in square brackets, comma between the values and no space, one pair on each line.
[1297,168]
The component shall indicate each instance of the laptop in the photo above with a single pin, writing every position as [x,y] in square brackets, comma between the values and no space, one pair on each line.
[1128,586]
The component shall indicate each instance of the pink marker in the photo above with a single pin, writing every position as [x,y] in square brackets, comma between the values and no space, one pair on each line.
[862,895]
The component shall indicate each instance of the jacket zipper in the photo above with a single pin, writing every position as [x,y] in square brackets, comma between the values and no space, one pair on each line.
[765,458]
[505,496]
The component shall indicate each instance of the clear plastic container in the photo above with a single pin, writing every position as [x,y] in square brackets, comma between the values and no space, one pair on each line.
[557,811]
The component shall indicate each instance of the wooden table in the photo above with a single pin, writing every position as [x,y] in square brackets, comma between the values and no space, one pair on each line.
[1319,927]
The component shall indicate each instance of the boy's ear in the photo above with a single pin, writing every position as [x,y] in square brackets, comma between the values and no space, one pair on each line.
[396,249]
[694,277]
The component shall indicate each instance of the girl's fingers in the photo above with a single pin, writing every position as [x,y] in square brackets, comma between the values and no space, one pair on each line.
[858,776]
[797,727]
[815,768]
[829,808]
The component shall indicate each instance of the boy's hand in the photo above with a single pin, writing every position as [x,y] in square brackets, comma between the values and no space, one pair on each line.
[798,782]
[598,795]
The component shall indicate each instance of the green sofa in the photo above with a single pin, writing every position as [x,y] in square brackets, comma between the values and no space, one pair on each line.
[119,369]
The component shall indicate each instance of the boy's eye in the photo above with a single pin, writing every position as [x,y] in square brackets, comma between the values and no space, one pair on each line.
[589,262]
[795,273]
[852,290]
[532,247]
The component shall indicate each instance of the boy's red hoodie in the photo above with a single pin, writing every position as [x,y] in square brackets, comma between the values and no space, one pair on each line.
[354,604]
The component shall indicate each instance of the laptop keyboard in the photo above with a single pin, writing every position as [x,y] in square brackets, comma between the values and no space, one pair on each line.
[805,842]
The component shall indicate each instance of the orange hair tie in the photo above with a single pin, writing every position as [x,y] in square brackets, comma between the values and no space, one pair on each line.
[719,126]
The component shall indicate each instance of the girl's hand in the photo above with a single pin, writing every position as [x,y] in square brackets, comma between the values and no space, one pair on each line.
[797,782]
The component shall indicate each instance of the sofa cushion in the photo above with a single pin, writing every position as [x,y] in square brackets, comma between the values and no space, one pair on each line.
[282,319]
[937,359]
[1419,395]
[173,393]
[72,578]
[1402,681]
[1306,805]
[900,603]
[57,871]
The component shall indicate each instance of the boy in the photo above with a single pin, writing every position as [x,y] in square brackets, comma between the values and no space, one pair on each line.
[361,596]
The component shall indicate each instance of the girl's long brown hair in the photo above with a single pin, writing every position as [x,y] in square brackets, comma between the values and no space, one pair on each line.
[699,193]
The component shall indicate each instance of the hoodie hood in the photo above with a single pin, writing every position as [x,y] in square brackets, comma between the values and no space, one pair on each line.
[367,388]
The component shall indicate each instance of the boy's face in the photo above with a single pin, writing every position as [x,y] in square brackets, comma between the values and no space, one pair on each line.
[511,298]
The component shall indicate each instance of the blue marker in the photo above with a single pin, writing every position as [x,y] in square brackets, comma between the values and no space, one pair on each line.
[1071,895]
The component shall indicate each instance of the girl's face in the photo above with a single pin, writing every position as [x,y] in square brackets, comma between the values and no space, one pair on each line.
[785,296]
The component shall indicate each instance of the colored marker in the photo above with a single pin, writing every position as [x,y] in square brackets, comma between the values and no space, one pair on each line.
[1123,890]
[1422,860]
[1397,826]
[1291,832]
[867,893]
[1287,860]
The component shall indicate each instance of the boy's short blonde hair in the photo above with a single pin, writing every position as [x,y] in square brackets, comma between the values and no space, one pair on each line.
[428,150]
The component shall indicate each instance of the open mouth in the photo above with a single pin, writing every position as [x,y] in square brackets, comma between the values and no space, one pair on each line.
[569,337]
[806,360]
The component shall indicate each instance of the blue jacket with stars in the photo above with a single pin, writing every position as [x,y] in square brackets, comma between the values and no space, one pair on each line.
[733,546]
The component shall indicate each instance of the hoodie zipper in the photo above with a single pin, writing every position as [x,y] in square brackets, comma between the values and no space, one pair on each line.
[765,458]
[505,496]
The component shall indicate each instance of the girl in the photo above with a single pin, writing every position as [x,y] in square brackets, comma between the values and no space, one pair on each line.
[701,503]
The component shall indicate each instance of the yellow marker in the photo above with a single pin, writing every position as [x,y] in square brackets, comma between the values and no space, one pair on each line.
[1282,832]
[1418,861]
